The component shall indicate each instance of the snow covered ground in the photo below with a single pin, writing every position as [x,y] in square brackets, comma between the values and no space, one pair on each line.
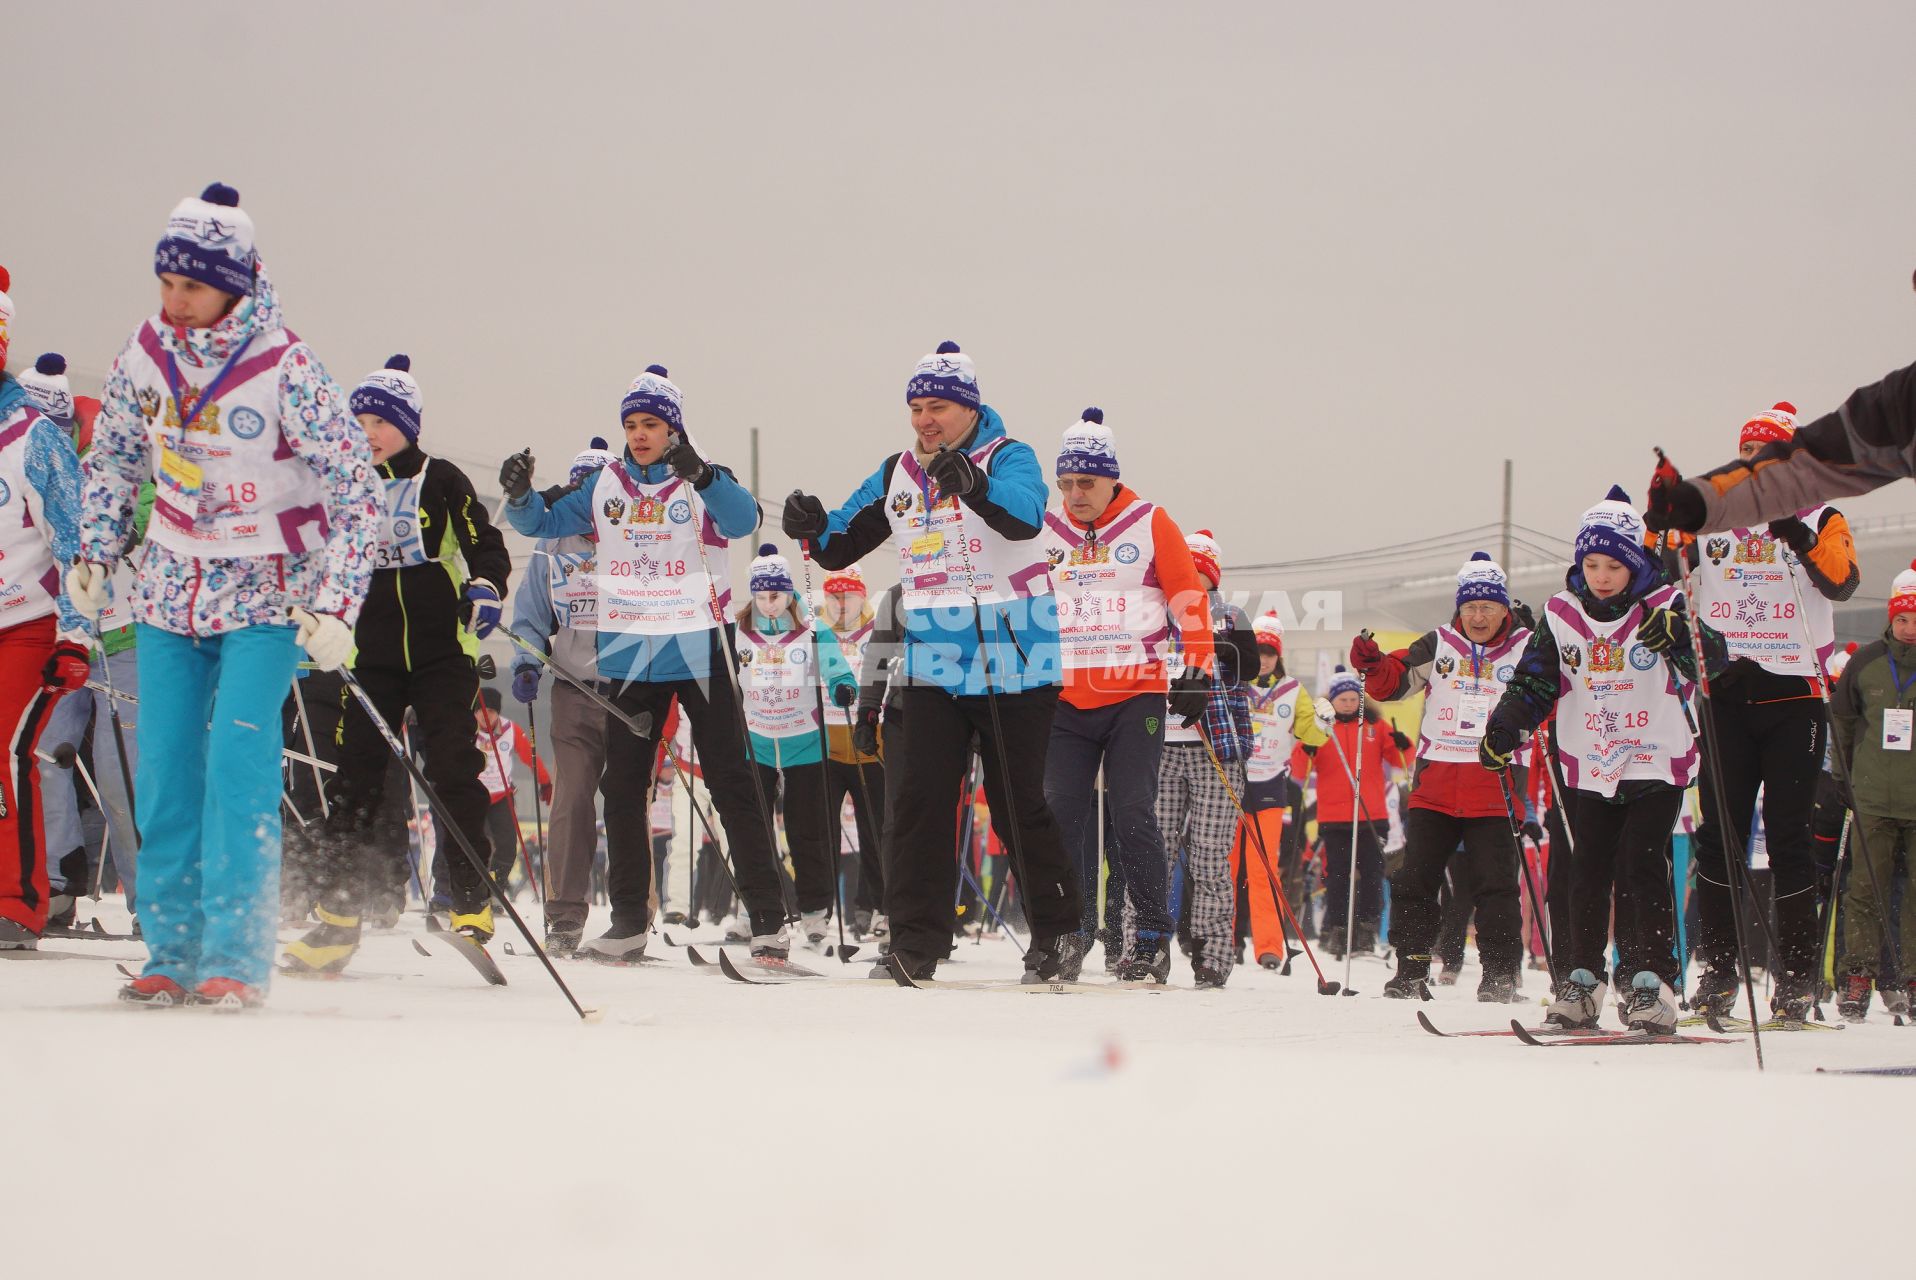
[411,1121]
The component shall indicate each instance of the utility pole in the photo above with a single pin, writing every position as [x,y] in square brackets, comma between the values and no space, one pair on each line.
[1504,557]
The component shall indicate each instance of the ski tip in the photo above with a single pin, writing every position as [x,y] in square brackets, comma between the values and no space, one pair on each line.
[668,938]
[731,970]
[420,947]
[698,960]
[1423,1020]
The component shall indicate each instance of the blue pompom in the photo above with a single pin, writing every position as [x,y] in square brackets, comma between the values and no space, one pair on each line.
[947,348]
[1094,415]
[1340,666]
[401,363]
[1616,494]
[221,194]
[598,442]
[768,548]
[658,369]
[50,364]
[1479,555]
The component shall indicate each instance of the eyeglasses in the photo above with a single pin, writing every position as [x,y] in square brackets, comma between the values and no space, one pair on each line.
[1083,484]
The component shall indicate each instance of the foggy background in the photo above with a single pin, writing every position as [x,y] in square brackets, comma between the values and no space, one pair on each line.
[1324,267]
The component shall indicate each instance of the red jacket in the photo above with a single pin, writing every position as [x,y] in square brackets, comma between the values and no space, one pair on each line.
[1333,782]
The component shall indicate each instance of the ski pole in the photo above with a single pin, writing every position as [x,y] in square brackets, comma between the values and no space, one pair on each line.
[845,953]
[1530,883]
[65,757]
[505,776]
[459,837]
[640,724]
[698,811]
[306,729]
[538,814]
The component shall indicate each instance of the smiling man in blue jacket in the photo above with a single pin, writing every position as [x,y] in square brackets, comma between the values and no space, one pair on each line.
[664,519]
[978,655]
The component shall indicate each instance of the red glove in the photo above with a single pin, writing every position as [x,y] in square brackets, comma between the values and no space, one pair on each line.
[68,667]
[545,793]
[1366,656]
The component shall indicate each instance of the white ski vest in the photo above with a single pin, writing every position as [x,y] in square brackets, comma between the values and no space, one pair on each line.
[1111,609]
[777,685]
[947,555]
[1620,713]
[852,645]
[29,577]
[1463,691]
[400,542]
[572,578]
[651,580]
[1743,591]
[226,485]
[1274,722]
[497,745]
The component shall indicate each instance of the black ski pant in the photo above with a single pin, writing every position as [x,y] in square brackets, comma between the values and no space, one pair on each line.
[441,694]
[1562,870]
[718,736]
[865,784]
[811,831]
[1370,874]
[1480,854]
[1623,850]
[1127,739]
[927,751]
[1778,746]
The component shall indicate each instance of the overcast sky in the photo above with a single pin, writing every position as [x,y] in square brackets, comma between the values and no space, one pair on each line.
[1323,266]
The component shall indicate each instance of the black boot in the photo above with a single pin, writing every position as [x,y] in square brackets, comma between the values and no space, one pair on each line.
[1412,981]
[1055,959]
[1149,962]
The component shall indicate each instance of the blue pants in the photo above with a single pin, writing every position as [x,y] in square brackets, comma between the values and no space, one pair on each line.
[208,800]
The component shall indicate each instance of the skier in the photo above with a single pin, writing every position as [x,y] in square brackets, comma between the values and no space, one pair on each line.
[965,505]
[1124,581]
[782,655]
[1459,812]
[1867,443]
[265,514]
[500,742]
[1352,729]
[556,611]
[663,518]
[44,645]
[1767,711]
[1263,860]
[1874,709]
[1200,777]
[1614,655]
[413,649]
[850,773]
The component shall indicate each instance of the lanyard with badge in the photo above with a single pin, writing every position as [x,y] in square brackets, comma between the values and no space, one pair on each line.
[179,485]
[1899,723]
[1473,710]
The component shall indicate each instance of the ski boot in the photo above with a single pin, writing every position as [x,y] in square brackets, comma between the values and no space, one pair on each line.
[327,948]
[1577,1001]
[1412,980]
[1055,959]
[1364,939]
[563,938]
[17,937]
[62,914]
[1908,997]
[861,924]
[620,944]
[737,928]
[1206,977]
[1497,988]
[474,926]
[1852,996]
[881,932]
[917,968]
[1448,975]
[1714,993]
[816,926]
[1270,960]
[1792,998]
[154,991]
[776,947]
[1648,1004]
[226,995]
[1150,961]
[1333,943]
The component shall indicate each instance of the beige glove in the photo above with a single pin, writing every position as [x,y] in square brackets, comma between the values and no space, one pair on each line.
[328,640]
[87,587]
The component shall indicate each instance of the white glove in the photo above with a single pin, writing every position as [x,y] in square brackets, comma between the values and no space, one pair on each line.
[87,587]
[328,640]
[1326,714]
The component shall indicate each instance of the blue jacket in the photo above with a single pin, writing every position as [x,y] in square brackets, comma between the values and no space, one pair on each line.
[940,646]
[629,657]
[787,753]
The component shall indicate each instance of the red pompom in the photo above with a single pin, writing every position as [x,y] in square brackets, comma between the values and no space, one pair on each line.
[1786,407]
[6,280]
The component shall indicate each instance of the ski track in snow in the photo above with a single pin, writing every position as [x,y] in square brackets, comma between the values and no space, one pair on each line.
[421,1121]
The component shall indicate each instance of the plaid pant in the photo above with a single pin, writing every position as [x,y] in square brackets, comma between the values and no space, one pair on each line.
[1199,820]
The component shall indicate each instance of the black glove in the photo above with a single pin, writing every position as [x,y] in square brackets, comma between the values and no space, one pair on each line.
[844,695]
[865,732]
[805,517]
[1533,830]
[954,473]
[1525,616]
[1673,504]
[1798,536]
[1498,746]
[1397,736]
[1664,630]
[686,463]
[1190,694]
[515,475]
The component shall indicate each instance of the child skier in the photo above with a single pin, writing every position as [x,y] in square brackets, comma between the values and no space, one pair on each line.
[664,519]
[44,645]
[1614,655]
[556,611]
[264,525]
[412,650]
[1456,806]
[1874,709]
[782,656]
[849,772]
[1126,583]
[1352,732]
[500,743]
[1282,720]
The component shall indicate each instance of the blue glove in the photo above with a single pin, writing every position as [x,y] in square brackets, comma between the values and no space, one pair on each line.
[484,605]
[525,683]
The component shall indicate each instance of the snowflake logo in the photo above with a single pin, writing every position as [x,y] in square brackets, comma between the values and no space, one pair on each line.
[1609,724]
[1750,610]
[646,569]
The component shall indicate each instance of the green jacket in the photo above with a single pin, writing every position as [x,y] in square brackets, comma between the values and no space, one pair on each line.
[1882,782]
